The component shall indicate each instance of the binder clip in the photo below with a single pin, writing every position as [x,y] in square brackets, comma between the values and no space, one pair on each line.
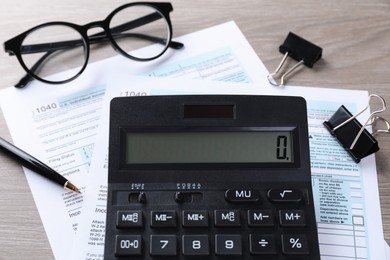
[300,50]
[354,137]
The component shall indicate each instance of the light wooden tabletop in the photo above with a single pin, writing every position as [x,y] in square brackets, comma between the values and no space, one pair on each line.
[354,35]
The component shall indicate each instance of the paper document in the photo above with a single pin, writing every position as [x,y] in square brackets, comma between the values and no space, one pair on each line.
[58,123]
[346,194]
[58,128]
[348,225]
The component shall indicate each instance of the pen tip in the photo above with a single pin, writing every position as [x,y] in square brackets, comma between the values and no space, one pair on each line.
[71,187]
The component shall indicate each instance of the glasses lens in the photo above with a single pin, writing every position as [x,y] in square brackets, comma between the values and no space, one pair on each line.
[52,49]
[139,26]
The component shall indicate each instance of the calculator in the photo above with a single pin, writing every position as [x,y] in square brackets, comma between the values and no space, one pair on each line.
[209,177]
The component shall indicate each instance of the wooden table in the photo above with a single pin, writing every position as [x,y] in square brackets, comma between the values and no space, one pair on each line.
[354,35]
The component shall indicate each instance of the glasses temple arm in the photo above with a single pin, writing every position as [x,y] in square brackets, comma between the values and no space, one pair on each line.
[136,23]
[27,78]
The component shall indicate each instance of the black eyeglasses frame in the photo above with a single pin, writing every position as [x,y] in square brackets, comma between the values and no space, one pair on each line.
[14,45]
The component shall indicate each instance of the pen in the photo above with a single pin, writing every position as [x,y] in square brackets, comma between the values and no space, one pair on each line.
[37,166]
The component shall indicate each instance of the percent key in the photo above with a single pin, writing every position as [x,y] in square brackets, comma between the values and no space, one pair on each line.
[295,244]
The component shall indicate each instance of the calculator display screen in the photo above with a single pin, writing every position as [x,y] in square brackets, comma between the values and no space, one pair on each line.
[209,147]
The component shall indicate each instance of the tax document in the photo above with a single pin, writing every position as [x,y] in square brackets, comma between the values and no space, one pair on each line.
[346,194]
[62,120]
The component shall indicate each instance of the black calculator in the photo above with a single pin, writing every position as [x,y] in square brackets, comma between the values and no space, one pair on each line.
[209,177]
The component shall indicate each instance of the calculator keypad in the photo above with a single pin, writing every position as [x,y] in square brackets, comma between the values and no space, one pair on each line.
[245,224]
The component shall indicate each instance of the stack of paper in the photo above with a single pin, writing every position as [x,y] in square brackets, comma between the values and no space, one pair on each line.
[68,131]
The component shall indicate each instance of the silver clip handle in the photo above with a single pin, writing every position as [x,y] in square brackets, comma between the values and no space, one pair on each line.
[370,118]
[270,76]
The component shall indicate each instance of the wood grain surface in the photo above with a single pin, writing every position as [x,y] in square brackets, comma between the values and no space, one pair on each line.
[354,35]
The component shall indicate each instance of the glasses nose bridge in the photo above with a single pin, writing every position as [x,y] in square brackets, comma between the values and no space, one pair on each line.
[96,24]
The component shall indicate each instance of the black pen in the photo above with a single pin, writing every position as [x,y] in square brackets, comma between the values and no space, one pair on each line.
[37,166]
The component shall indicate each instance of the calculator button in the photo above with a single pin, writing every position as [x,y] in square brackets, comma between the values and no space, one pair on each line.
[163,218]
[163,245]
[128,245]
[187,197]
[262,244]
[227,218]
[195,218]
[285,195]
[129,218]
[137,197]
[260,218]
[195,245]
[234,195]
[228,245]
[183,197]
[292,218]
[295,245]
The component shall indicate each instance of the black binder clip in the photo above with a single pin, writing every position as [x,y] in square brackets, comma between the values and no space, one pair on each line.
[354,137]
[300,50]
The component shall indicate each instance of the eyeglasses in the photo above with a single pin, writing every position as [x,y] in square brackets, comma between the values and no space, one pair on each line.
[50,48]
